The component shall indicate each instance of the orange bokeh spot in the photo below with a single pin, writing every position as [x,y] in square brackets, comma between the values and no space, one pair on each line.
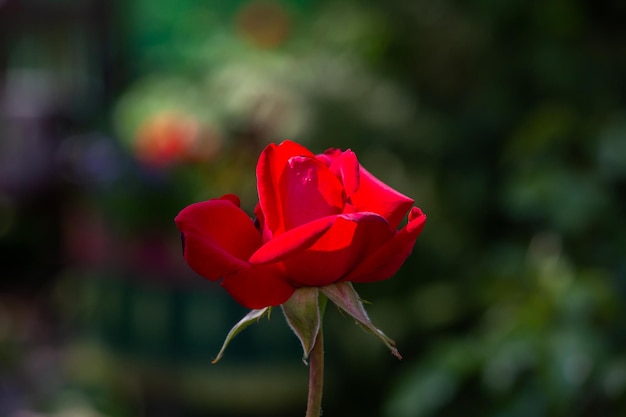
[265,23]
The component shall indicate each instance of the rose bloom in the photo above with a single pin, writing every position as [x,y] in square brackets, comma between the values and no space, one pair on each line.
[321,219]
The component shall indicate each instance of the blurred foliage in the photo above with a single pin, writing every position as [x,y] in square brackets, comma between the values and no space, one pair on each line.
[506,121]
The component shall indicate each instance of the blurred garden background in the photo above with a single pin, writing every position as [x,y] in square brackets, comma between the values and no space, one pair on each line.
[504,120]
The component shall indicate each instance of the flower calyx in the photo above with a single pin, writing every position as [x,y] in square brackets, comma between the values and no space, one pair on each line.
[347,299]
[304,311]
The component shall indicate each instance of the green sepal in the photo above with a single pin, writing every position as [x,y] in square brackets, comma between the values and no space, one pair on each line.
[251,317]
[303,312]
[346,298]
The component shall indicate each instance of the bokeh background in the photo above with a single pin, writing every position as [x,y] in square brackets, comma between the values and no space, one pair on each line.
[505,120]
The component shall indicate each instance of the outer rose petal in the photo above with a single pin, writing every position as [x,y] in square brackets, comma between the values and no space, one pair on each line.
[218,236]
[376,196]
[269,170]
[309,191]
[209,259]
[258,287]
[339,250]
[249,286]
[386,260]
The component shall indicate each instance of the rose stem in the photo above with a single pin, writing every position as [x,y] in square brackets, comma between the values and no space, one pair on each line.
[316,377]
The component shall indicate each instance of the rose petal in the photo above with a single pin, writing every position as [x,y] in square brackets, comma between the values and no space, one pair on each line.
[209,259]
[309,191]
[269,170]
[346,168]
[258,287]
[292,241]
[218,237]
[232,198]
[375,196]
[259,223]
[387,260]
[329,156]
[339,250]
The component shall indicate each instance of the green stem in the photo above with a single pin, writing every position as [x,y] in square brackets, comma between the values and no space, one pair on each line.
[316,377]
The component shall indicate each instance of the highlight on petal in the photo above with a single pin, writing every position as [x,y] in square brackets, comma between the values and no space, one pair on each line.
[374,195]
[258,287]
[292,241]
[346,168]
[269,171]
[218,237]
[352,238]
[387,260]
[309,191]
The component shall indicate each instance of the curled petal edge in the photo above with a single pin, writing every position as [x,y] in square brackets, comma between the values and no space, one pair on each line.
[387,259]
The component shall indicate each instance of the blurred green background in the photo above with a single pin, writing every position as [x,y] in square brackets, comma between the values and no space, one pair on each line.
[504,120]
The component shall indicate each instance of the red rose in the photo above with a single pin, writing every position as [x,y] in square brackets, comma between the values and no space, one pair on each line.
[322,219]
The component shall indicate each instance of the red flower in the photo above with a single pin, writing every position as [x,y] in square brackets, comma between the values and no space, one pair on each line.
[321,220]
